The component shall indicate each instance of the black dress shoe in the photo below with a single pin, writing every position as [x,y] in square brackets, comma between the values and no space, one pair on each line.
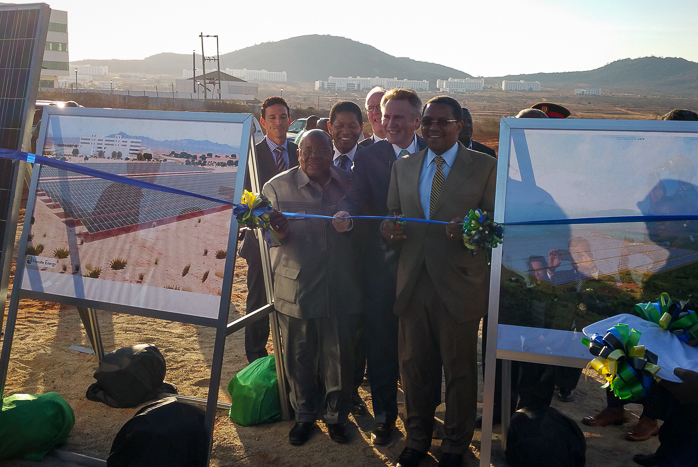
[410,458]
[358,407]
[381,433]
[451,460]
[646,459]
[338,432]
[300,433]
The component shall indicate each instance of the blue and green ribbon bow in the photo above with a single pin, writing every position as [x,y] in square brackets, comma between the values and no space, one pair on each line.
[671,316]
[628,368]
[481,232]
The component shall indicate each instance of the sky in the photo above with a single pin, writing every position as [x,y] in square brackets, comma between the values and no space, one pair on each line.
[482,38]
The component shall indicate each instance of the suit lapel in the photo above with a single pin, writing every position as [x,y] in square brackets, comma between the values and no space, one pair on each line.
[415,163]
[457,176]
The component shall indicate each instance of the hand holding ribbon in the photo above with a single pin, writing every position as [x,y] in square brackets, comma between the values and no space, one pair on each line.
[627,367]
[671,316]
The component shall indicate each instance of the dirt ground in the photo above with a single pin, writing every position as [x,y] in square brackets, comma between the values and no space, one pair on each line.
[41,361]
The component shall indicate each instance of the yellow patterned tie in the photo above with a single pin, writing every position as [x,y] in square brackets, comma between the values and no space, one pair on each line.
[436,185]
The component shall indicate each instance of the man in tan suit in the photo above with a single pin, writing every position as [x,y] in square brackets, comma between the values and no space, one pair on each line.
[442,288]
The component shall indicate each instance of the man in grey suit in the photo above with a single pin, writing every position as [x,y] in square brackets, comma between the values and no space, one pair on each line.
[274,155]
[316,289]
[442,288]
[373,110]
[401,110]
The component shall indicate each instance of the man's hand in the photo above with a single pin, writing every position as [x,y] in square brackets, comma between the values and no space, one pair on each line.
[454,229]
[392,232]
[554,259]
[279,224]
[341,221]
[687,391]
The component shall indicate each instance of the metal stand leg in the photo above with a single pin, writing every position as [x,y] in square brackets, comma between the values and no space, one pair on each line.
[89,320]
[506,400]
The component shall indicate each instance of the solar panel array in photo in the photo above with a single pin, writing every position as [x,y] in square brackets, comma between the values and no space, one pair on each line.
[102,205]
[121,168]
[22,38]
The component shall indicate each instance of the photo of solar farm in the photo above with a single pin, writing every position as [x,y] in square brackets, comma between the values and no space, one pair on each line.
[95,228]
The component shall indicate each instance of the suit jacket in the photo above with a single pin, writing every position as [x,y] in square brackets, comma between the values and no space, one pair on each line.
[366,142]
[460,278]
[482,148]
[316,269]
[266,170]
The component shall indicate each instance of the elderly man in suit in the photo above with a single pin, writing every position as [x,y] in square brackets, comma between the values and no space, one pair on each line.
[401,110]
[316,289]
[442,288]
[373,110]
[466,136]
[275,154]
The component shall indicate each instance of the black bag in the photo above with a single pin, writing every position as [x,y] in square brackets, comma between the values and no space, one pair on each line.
[544,438]
[166,433]
[130,376]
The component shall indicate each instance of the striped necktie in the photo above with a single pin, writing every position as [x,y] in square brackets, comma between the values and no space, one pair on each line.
[280,163]
[344,162]
[436,185]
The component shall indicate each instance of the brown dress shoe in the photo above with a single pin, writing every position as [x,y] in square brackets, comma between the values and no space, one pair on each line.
[608,416]
[646,428]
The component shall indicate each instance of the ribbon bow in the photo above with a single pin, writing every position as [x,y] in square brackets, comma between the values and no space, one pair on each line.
[480,231]
[627,367]
[671,316]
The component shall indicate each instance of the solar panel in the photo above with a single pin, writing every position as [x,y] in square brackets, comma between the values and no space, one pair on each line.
[23,31]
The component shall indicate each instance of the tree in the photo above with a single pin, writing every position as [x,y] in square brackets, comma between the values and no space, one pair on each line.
[139,156]
[87,158]
[118,154]
[209,155]
[187,162]
[76,152]
[100,153]
[113,154]
[148,156]
[230,162]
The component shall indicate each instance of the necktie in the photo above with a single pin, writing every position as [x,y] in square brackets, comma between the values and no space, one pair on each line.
[403,153]
[344,162]
[436,184]
[280,163]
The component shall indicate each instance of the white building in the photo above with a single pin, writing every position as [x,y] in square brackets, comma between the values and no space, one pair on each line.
[520,85]
[460,85]
[231,88]
[91,145]
[588,92]
[56,64]
[257,75]
[91,70]
[334,83]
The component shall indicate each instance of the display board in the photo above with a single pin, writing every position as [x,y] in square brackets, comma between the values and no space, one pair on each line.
[598,215]
[133,248]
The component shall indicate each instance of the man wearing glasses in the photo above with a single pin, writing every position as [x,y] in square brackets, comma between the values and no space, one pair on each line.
[401,115]
[442,288]
[373,110]
[316,289]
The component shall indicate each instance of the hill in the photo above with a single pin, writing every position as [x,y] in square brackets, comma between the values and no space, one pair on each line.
[648,74]
[304,58]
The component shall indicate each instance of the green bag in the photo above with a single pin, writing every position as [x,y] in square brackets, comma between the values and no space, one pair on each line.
[255,393]
[33,424]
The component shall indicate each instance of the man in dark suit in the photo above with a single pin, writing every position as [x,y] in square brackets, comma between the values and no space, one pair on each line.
[274,155]
[442,288]
[466,136]
[401,110]
[373,110]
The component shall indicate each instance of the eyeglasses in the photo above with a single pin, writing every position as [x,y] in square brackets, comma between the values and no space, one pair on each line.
[308,153]
[371,108]
[442,122]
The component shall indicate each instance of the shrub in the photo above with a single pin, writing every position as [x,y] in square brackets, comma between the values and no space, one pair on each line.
[117,263]
[64,268]
[205,251]
[94,273]
[205,276]
[156,261]
[172,287]
[34,250]
[185,271]
[61,253]
[30,237]
[221,254]
[140,277]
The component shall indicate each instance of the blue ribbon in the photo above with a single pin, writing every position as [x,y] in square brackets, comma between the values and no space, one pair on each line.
[28,157]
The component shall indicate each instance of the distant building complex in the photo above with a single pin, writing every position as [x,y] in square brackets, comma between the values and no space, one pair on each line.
[256,76]
[587,92]
[92,70]
[92,145]
[460,85]
[55,64]
[520,85]
[358,84]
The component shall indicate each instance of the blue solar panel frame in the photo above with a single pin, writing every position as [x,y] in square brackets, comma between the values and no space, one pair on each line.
[145,116]
[506,341]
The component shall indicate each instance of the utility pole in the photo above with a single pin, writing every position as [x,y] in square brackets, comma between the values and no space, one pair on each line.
[193,67]
[217,59]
